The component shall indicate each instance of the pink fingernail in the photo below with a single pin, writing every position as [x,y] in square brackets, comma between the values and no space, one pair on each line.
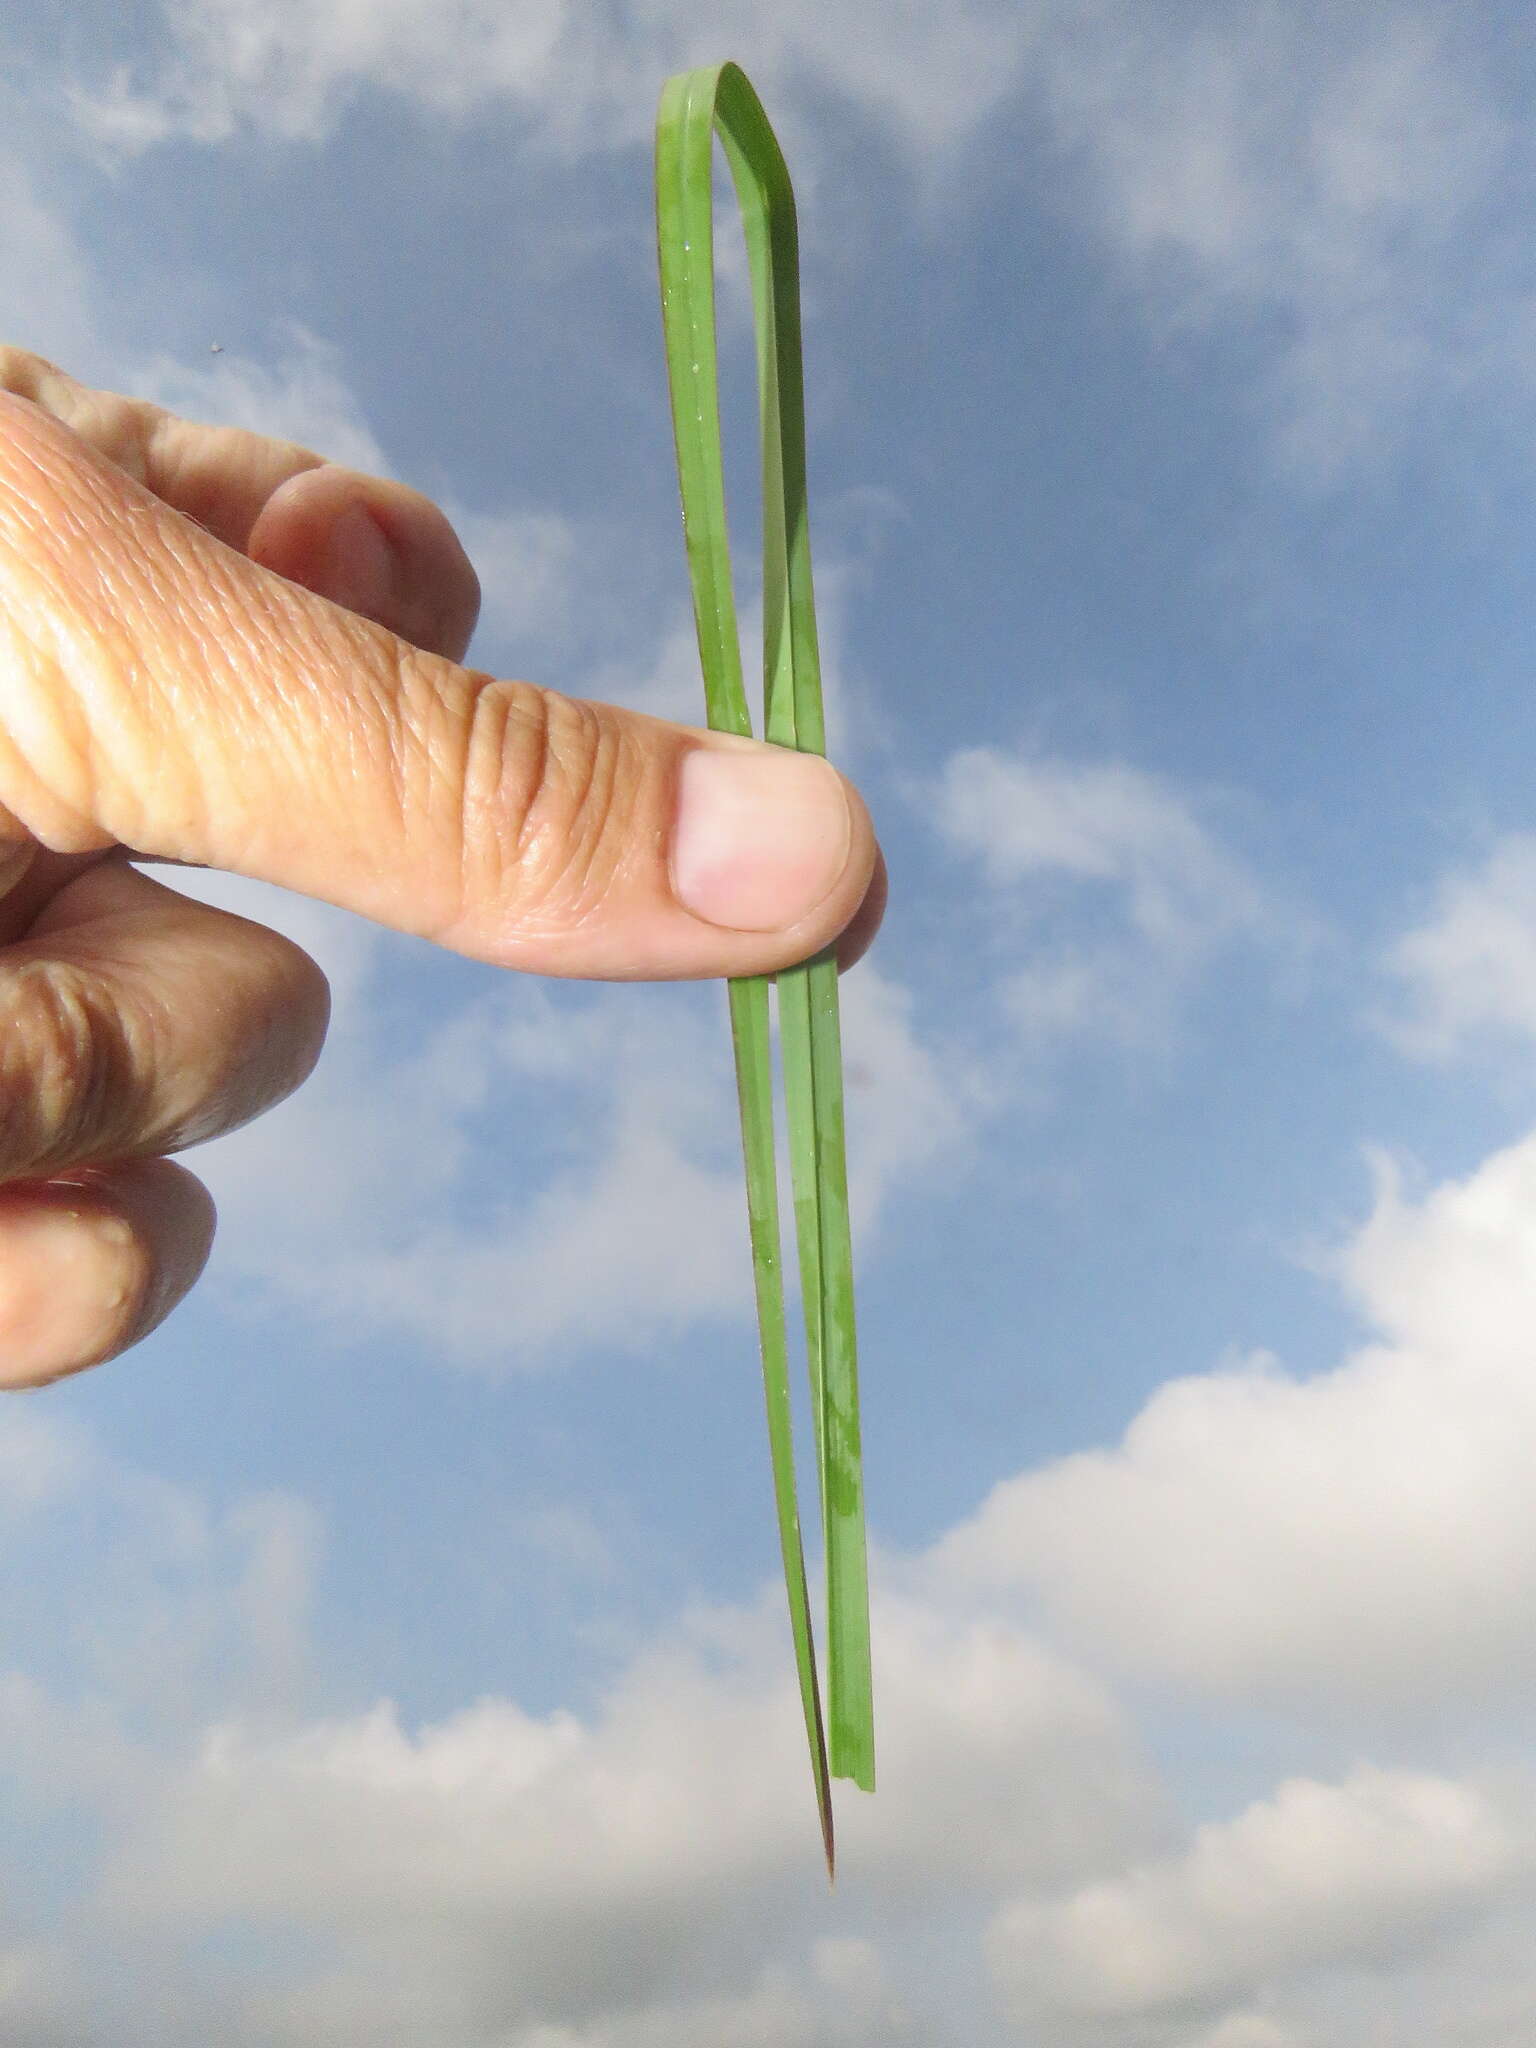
[762,836]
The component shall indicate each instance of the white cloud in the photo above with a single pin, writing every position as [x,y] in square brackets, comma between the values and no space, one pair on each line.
[1364,1539]
[1150,890]
[835,1999]
[1317,187]
[644,1872]
[1026,818]
[1316,1874]
[1451,1277]
[988,1745]
[655,1861]
[1318,182]
[1248,2030]
[289,67]
[1468,971]
[1469,1989]
[581,81]
[658,1890]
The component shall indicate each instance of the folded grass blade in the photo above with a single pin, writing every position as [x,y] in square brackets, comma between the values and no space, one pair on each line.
[695,107]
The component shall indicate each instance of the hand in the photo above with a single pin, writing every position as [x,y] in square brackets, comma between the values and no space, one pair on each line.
[218,649]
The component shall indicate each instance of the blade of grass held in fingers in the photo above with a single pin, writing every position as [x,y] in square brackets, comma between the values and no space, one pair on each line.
[754,1087]
[696,106]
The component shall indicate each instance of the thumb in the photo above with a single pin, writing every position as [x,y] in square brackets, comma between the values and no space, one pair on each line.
[161,690]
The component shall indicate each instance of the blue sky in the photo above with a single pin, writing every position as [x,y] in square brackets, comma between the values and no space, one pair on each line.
[393,1651]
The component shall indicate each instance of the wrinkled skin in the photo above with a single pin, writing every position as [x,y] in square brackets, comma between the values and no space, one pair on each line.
[219,649]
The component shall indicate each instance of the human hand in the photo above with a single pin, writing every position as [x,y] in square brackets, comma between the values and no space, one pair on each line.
[217,649]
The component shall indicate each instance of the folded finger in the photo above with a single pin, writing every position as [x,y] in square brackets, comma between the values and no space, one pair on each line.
[376,546]
[134,1022]
[92,1261]
[219,476]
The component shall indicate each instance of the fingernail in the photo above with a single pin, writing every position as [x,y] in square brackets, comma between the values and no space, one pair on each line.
[359,563]
[762,836]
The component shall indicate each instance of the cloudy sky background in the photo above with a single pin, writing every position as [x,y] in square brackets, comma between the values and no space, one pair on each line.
[391,1647]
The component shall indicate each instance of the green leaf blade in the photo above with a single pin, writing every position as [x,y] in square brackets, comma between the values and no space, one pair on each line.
[695,107]
[754,1087]
[849,1678]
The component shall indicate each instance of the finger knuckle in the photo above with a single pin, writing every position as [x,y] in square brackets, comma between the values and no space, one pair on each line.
[550,795]
[68,1070]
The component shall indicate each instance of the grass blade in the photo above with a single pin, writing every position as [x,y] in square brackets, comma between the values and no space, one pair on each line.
[695,107]
[685,231]
[754,1087]
[849,1683]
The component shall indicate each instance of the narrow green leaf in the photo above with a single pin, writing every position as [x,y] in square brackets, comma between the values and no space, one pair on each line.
[695,106]
[754,1087]
[848,1658]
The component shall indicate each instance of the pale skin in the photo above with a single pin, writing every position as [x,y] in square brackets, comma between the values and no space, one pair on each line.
[222,650]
